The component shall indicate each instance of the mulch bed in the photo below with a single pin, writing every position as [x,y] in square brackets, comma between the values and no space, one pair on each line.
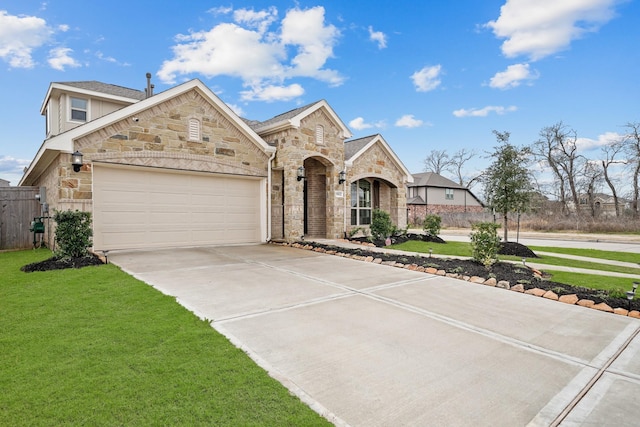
[54,263]
[513,273]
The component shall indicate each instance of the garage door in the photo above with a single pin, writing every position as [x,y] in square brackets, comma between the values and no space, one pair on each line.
[151,208]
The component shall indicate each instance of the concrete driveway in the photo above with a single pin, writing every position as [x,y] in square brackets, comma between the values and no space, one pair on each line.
[371,345]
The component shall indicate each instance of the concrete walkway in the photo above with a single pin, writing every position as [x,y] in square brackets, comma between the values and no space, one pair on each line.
[370,345]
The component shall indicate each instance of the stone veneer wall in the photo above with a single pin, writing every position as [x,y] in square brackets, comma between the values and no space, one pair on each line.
[158,139]
[376,163]
[296,145]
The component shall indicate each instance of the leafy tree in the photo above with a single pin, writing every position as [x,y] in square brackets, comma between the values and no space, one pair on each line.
[507,181]
[432,224]
[73,233]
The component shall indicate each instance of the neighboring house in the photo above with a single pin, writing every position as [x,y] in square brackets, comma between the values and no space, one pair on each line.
[180,168]
[603,204]
[431,193]
[4,183]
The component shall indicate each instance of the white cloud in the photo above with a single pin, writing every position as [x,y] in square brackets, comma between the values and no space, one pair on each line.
[220,10]
[484,112]
[587,144]
[236,109]
[512,77]
[247,49]
[427,79]
[539,28]
[260,20]
[19,36]
[273,93]
[11,169]
[59,58]
[409,121]
[378,37]
[359,124]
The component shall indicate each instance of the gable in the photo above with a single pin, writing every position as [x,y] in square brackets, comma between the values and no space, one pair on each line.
[375,150]
[122,130]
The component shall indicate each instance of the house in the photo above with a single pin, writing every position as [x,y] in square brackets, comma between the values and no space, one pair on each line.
[431,193]
[4,183]
[180,168]
[598,204]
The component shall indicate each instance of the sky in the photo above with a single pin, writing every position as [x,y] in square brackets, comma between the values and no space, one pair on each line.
[439,75]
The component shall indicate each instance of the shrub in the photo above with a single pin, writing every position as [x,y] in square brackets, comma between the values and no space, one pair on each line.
[73,233]
[432,224]
[381,226]
[485,243]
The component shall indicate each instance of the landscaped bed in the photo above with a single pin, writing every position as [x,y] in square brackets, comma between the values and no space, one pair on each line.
[508,275]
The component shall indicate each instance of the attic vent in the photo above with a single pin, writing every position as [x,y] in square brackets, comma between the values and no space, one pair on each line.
[194,130]
[320,134]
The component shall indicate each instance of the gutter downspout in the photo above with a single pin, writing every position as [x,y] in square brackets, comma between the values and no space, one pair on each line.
[347,164]
[273,156]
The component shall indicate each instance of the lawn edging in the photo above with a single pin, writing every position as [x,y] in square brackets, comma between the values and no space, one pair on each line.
[378,258]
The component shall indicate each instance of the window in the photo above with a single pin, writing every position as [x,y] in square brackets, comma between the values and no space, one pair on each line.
[79,109]
[361,202]
[194,130]
[448,193]
[320,135]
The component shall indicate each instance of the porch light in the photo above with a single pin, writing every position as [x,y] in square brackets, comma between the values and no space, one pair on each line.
[342,177]
[76,161]
[301,174]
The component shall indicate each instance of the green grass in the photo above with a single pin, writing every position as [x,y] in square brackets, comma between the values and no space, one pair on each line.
[591,281]
[94,346]
[591,253]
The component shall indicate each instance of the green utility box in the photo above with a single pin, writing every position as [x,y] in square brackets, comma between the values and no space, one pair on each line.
[37,226]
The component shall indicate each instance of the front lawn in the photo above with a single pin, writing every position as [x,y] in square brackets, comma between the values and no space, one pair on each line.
[94,346]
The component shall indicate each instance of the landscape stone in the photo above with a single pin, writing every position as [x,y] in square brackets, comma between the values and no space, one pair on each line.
[621,311]
[431,270]
[550,295]
[477,279]
[635,314]
[536,291]
[518,287]
[491,281]
[603,307]
[569,299]
[503,284]
[586,303]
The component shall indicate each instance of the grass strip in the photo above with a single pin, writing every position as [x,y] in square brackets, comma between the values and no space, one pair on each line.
[591,253]
[94,346]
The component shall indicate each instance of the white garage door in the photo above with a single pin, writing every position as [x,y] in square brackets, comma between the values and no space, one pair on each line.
[152,208]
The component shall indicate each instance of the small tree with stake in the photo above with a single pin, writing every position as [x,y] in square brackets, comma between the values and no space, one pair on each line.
[507,181]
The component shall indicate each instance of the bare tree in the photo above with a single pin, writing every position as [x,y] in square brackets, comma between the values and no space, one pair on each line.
[632,150]
[456,166]
[589,183]
[558,149]
[610,152]
[437,161]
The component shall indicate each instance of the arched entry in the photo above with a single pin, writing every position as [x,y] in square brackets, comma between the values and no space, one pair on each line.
[315,196]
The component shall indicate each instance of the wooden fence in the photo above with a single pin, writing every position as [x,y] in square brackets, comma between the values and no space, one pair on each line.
[18,207]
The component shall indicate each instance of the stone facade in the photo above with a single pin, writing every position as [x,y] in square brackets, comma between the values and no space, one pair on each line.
[323,161]
[189,130]
[377,165]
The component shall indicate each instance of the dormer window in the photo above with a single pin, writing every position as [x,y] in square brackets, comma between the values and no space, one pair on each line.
[79,109]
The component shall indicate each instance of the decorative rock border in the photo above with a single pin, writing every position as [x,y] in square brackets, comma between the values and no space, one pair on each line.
[571,299]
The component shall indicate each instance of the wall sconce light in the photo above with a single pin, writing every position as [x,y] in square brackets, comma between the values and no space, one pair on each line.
[76,161]
[301,174]
[342,177]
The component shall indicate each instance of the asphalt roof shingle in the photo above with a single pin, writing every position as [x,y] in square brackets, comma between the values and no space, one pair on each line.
[108,89]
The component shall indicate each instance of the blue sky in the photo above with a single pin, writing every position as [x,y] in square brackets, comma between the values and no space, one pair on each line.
[426,75]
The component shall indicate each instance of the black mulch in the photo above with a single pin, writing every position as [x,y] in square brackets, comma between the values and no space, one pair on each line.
[54,263]
[513,273]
